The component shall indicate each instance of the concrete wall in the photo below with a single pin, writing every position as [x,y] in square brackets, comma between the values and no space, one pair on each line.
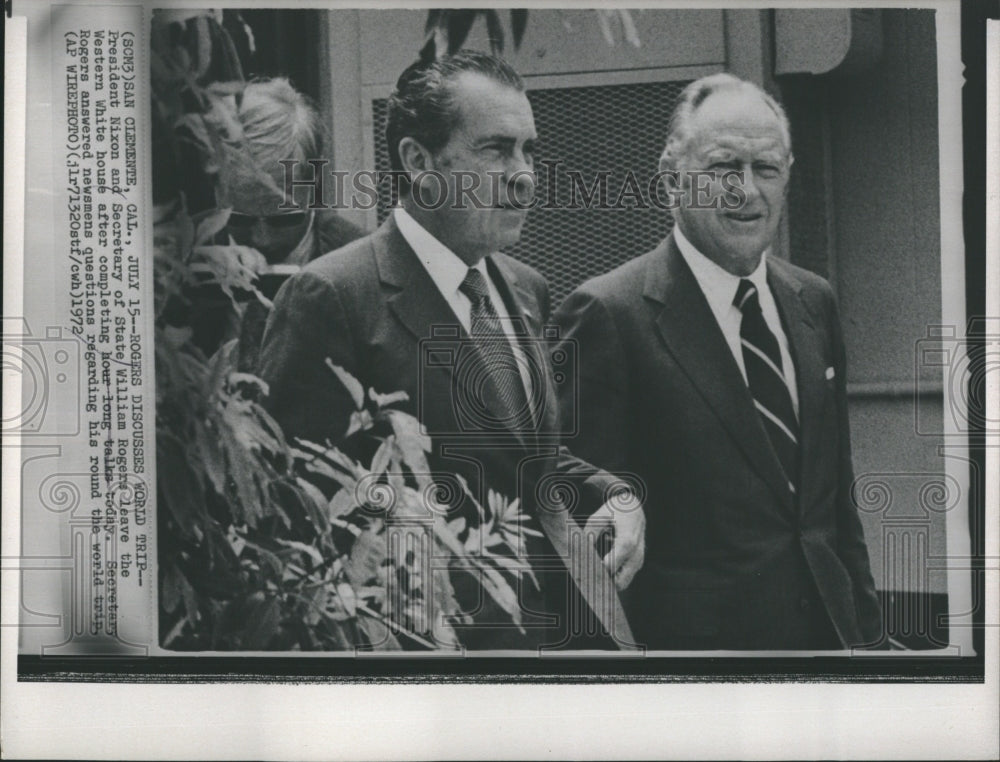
[887,267]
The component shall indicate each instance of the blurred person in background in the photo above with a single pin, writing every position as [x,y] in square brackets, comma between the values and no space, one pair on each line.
[278,123]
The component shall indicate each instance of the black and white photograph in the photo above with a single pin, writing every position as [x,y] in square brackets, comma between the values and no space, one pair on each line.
[710,424]
[592,354]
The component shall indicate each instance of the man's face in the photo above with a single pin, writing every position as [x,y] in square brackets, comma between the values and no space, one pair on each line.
[488,166]
[256,220]
[733,131]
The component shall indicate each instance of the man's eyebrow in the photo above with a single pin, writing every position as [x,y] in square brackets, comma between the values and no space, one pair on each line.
[719,153]
[504,139]
[775,156]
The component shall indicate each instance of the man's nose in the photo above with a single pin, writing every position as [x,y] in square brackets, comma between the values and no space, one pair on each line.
[749,183]
[520,176]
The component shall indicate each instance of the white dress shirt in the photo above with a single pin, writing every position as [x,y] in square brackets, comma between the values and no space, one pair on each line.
[719,288]
[448,271]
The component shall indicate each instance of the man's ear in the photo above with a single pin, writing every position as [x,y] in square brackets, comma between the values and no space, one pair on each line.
[788,169]
[414,157]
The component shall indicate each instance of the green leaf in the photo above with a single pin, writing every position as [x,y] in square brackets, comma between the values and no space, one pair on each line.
[628,28]
[180,488]
[342,503]
[361,420]
[372,594]
[314,499]
[604,17]
[416,612]
[204,48]
[445,603]
[329,463]
[412,442]
[500,591]
[208,448]
[443,633]
[170,589]
[518,25]
[194,128]
[384,400]
[428,52]
[383,456]
[514,566]
[263,617]
[352,384]
[347,597]
[210,224]
[309,550]
[175,632]
[367,554]
[457,525]
[378,634]
[190,600]
[444,535]
[232,68]
[273,565]
[457,24]
[230,267]
[433,19]
[495,31]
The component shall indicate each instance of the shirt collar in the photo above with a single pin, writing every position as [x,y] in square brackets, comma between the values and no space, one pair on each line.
[445,267]
[718,285]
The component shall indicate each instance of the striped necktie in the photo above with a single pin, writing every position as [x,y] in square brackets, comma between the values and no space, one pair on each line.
[766,379]
[498,357]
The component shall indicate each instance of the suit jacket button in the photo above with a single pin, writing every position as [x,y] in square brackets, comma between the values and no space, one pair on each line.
[804,604]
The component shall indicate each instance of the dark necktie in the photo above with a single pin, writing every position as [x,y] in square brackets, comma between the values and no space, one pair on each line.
[498,357]
[766,379]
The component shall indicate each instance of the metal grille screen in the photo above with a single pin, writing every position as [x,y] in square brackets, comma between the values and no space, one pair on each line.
[612,129]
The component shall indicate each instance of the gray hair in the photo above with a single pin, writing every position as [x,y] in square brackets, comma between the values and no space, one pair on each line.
[279,122]
[697,93]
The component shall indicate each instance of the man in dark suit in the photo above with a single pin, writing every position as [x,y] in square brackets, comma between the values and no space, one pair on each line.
[716,373]
[428,305]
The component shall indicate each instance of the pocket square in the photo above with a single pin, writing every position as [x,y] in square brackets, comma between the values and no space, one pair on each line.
[830,373]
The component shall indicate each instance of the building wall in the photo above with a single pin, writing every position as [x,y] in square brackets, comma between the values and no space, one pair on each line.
[887,269]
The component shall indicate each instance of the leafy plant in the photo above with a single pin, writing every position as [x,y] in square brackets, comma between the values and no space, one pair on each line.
[447,29]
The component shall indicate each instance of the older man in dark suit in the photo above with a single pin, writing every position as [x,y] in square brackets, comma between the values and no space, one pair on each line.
[715,371]
[432,277]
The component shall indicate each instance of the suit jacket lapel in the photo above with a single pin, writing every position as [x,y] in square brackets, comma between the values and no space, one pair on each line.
[806,347]
[418,305]
[689,329]
[416,302]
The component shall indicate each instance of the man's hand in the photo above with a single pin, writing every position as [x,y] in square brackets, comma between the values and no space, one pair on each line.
[628,552]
